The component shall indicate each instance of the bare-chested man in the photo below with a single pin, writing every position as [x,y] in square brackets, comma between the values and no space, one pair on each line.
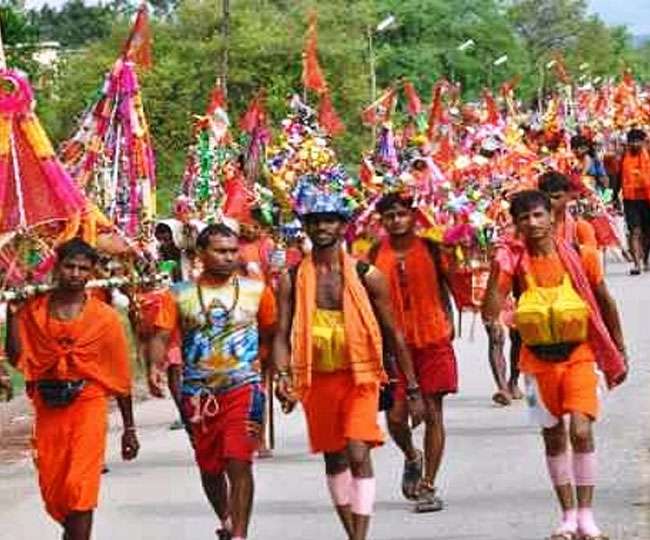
[333,313]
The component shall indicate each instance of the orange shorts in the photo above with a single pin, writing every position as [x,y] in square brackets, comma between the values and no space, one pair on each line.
[338,411]
[569,387]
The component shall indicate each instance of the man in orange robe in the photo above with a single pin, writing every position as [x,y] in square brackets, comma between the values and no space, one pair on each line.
[72,351]
[421,306]
[635,181]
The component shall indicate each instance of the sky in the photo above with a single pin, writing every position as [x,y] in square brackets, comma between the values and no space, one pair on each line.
[633,13]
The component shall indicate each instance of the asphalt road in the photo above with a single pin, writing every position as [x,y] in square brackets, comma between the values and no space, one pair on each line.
[493,477]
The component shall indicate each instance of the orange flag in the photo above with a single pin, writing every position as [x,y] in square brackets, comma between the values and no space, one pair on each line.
[138,46]
[413,103]
[217,100]
[312,74]
[327,116]
[255,115]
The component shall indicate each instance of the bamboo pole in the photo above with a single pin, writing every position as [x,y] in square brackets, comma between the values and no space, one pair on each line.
[3,58]
[225,35]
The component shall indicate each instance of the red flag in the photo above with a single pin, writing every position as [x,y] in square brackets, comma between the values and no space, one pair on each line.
[435,114]
[381,109]
[491,108]
[217,100]
[327,117]
[628,77]
[366,172]
[138,46]
[413,103]
[255,115]
[312,74]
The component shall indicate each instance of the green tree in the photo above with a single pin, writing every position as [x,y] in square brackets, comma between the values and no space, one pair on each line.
[19,37]
[75,23]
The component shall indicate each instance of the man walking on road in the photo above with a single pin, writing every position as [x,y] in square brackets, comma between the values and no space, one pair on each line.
[570,328]
[567,228]
[635,180]
[71,348]
[333,313]
[422,310]
[224,319]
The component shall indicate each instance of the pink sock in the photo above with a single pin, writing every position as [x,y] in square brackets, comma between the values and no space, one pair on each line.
[560,469]
[340,487]
[363,496]
[569,522]
[587,523]
[584,468]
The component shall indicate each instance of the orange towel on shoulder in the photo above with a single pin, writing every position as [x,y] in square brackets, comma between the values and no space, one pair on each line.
[93,346]
[415,295]
[362,332]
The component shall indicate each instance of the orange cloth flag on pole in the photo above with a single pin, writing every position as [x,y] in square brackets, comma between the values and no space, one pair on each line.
[327,116]
[312,74]
[138,46]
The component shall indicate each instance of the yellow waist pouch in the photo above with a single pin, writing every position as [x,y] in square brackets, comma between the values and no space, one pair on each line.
[551,315]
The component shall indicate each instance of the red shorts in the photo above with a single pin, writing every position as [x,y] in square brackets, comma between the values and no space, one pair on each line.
[435,370]
[225,426]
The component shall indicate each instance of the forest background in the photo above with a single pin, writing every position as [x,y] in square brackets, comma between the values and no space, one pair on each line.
[265,42]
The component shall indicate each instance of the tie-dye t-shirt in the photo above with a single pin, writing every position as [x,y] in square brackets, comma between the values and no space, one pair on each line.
[221,353]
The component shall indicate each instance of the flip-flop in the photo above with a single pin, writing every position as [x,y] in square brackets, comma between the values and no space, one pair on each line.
[428,501]
[223,534]
[563,536]
[411,477]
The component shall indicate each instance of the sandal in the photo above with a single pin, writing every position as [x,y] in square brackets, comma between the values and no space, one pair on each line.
[411,476]
[428,499]
[600,536]
[501,398]
[223,534]
[563,536]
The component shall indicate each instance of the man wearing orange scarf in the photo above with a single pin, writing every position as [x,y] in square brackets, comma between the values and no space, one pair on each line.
[333,315]
[72,351]
[567,228]
[635,180]
[562,378]
[420,301]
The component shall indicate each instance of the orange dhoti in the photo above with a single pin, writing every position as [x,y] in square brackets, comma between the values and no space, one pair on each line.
[338,411]
[69,441]
[69,445]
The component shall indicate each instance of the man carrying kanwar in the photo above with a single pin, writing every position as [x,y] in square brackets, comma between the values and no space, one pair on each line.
[333,313]
[420,298]
[570,328]
[72,350]
[224,320]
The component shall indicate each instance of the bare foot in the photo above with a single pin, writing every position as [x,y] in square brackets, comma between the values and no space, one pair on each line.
[515,391]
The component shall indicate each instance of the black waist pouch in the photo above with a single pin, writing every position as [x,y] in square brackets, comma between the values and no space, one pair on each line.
[558,352]
[59,393]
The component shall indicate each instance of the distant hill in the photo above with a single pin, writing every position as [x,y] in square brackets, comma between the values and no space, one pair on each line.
[641,39]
